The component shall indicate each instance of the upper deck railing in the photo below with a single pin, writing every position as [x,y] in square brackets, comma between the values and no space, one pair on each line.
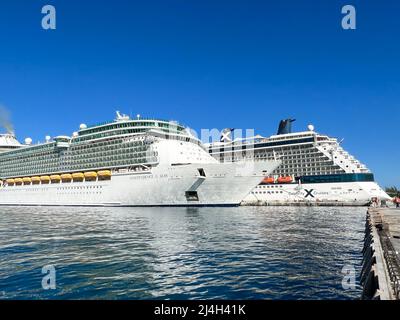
[104,123]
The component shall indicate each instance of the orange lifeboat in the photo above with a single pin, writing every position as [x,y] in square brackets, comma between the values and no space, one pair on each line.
[90,176]
[66,177]
[287,179]
[55,178]
[45,179]
[35,180]
[104,175]
[78,177]
[268,180]
[27,180]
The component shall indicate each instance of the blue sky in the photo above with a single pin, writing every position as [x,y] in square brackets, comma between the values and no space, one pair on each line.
[209,64]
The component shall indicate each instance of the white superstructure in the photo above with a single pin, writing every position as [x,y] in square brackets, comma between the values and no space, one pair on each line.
[141,162]
[8,142]
[315,169]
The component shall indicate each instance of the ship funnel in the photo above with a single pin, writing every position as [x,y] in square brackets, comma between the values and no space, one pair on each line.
[285,126]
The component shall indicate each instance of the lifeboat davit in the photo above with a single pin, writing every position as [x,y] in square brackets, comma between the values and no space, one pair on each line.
[287,179]
[104,175]
[268,180]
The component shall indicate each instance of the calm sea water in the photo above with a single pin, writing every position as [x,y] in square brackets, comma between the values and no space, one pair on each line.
[180,253]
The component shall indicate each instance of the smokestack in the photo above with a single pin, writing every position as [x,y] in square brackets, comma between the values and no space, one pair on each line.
[5,120]
[285,126]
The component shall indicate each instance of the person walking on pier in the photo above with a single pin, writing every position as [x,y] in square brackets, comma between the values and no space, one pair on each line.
[397,202]
[374,202]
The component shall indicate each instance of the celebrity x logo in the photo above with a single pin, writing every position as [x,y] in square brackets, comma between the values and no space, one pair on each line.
[309,193]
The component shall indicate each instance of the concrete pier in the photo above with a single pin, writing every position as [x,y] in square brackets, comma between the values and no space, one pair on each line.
[380,275]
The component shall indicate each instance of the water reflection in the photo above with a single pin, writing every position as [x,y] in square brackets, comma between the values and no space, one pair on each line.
[185,253]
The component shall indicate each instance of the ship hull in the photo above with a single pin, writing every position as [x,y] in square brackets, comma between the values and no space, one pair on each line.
[181,185]
[341,194]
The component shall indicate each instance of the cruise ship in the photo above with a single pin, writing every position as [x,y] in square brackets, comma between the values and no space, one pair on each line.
[125,162]
[315,169]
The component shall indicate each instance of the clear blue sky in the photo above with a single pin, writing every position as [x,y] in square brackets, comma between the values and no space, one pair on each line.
[209,64]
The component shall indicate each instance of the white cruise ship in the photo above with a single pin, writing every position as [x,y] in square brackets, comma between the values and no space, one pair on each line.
[315,169]
[139,162]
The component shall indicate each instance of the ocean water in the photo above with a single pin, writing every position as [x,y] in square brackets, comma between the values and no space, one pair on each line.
[181,253]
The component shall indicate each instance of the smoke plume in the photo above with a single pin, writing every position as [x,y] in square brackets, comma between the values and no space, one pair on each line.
[5,120]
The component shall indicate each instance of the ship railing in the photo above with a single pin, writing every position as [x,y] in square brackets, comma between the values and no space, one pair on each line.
[131,119]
